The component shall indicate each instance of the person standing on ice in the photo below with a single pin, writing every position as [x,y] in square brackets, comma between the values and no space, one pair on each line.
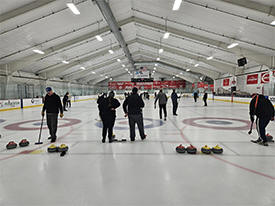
[162,98]
[264,111]
[195,96]
[107,111]
[52,106]
[205,96]
[174,98]
[132,107]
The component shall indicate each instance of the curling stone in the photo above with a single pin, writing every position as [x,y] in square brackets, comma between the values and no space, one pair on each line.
[206,150]
[63,148]
[269,138]
[191,149]
[24,143]
[52,148]
[180,149]
[11,145]
[217,150]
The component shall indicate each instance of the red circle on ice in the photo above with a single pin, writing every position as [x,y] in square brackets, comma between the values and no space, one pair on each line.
[192,122]
[19,125]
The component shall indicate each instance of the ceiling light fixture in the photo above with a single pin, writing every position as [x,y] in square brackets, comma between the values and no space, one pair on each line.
[38,51]
[73,8]
[99,38]
[209,58]
[65,62]
[196,65]
[158,59]
[111,51]
[93,72]
[176,5]
[232,45]
[181,73]
[166,35]
[160,50]
[155,68]
[111,79]
[118,60]
[187,70]
[156,65]
[83,68]
[123,65]
[273,22]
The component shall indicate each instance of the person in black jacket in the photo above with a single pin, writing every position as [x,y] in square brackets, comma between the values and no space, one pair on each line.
[107,111]
[52,106]
[205,98]
[132,107]
[174,98]
[264,111]
[65,100]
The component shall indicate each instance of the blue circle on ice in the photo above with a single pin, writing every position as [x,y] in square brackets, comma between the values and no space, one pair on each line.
[154,123]
[218,122]
[37,124]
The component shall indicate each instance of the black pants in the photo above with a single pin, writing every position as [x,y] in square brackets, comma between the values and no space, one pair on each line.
[52,124]
[69,104]
[175,107]
[261,124]
[64,105]
[108,125]
[195,98]
[205,102]
[162,107]
[133,119]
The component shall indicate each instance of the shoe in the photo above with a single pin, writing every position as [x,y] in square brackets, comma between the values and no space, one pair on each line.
[143,138]
[53,139]
[49,137]
[132,140]
[175,114]
[65,110]
[165,119]
[256,141]
[263,143]
[103,140]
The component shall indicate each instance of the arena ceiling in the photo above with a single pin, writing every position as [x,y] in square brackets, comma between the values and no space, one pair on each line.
[200,32]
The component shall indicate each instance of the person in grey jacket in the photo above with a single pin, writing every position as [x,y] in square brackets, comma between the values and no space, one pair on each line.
[162,98]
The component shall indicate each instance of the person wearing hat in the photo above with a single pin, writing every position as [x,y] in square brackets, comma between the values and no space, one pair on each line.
[107,111]
[52,106]
[132,107]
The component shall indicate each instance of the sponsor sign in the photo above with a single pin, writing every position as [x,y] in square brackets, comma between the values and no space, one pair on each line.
[226,82]
[252,79]
[4,104]
[264,77]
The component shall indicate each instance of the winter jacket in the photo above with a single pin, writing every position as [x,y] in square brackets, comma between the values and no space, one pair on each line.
[261,107]
[133,104]
[161,97]
[52,104]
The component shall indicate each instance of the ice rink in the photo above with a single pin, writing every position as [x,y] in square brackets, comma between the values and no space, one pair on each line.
[138,173]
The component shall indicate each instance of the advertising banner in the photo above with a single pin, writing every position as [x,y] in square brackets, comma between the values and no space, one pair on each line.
[226,82]
[264,77]
[252,79]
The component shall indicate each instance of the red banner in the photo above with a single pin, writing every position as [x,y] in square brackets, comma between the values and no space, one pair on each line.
[127,85]
[252,79]
[264,77]
[226,82]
